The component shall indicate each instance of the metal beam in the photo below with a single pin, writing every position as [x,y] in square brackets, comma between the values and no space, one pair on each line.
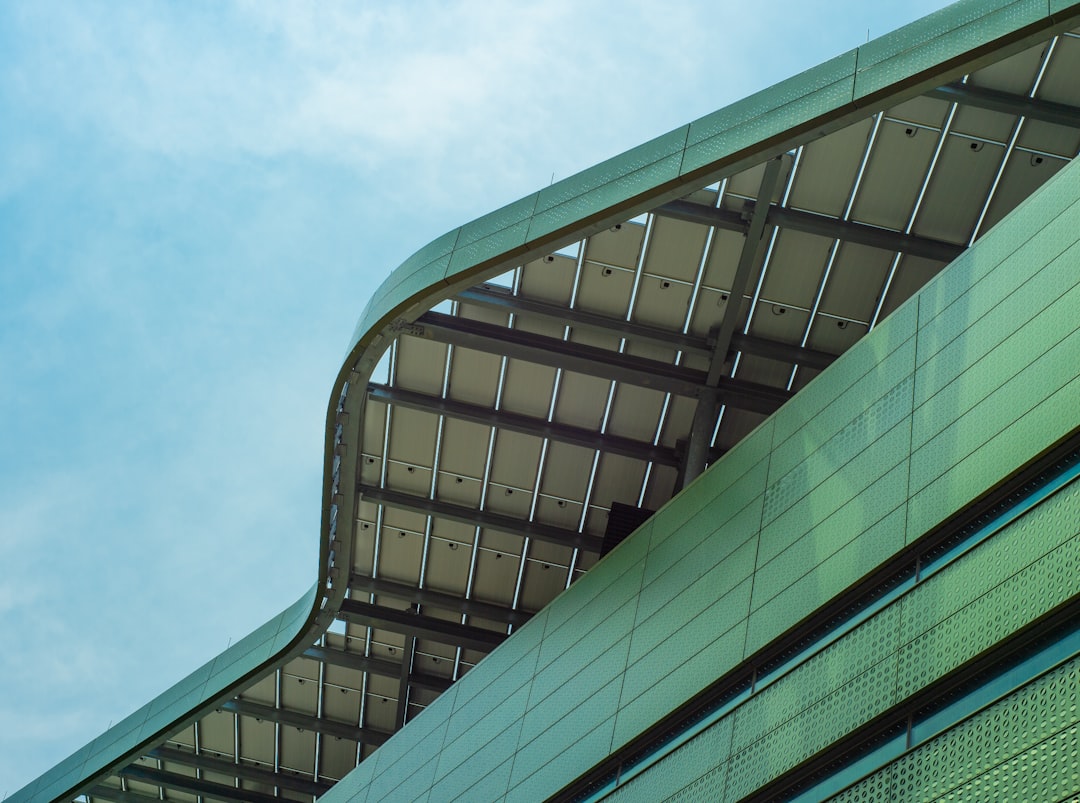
[247,772]
[403,682]
[810,223]
[438,599]
[784,352]
[420,626]
[376,666]
[1019,105]
[497,298]
[557,353]
[194,786]
[527,425]
[120,796]
[705,413]
[604,363]
[481,518]
[505,301]
[284,716]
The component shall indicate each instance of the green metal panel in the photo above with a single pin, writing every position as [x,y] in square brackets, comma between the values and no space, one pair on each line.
[409,777]
[579,684]
[498,701]
[877,515]
[984,622]
[859,413]
[1009,751]
[811,730]
[770,113]
[976,287]
[939,37]
[1036,349]
[598,622]
[816,489]
[474,746]
[715,548]
[693,772]
[554,757]
[741,460]
[1064,9]
[608,184]
[878,788]
[815,680]
[591,599]
[490,772]
[825,580]
[703,625]
[495,235]
[976,467]
[655,685]
[419,751]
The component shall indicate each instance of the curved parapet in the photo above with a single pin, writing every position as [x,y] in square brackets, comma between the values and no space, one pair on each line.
[728,175]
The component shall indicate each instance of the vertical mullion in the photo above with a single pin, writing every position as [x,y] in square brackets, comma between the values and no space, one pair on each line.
[943,136]
[838,243]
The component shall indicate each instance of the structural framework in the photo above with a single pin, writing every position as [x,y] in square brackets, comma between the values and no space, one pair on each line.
[806,368]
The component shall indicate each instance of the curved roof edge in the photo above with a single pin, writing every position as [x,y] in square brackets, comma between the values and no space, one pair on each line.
[898,65]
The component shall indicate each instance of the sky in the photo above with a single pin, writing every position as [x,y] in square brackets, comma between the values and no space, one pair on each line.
[196,201]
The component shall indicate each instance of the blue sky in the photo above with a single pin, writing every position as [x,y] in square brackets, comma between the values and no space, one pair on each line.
[196,200]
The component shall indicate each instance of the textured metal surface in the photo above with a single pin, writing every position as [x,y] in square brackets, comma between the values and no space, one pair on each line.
[1025,747]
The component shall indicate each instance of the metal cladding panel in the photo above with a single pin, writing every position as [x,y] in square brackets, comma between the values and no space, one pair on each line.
[990,399]
[771,112]
[812,729]
[1023,747]
[939,37]
[608,184]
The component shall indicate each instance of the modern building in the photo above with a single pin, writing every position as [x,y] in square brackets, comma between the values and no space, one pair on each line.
[737,467]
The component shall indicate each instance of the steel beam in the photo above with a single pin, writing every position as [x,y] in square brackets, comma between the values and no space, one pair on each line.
[1019,105]
[557,353]
[527,425]
[247,772]
[438,599]
[284,716]
[403,682]
[195,786]
[784,352]
[705,413]
[102,792]
[505,301]
[832,228]
[376,666]
[420,626]
[481,518]
[604,363]
[688,344]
